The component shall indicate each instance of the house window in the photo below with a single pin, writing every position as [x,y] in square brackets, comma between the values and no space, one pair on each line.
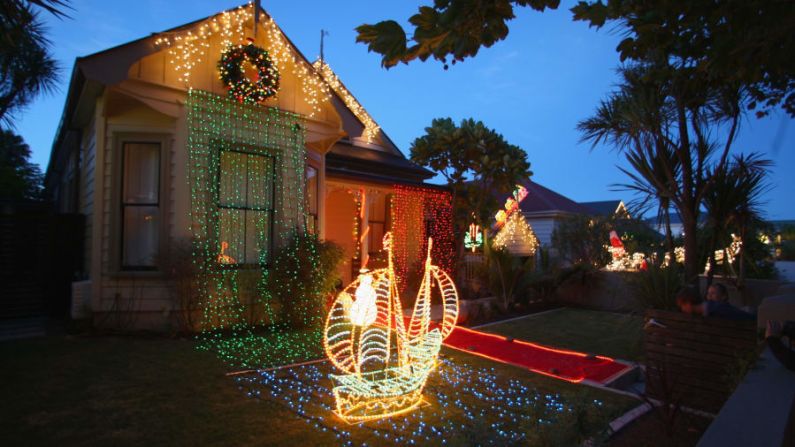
[140,205]
[311,199]
[379,210]
[245,208]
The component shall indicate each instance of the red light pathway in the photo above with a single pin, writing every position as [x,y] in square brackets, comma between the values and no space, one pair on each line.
[571,366]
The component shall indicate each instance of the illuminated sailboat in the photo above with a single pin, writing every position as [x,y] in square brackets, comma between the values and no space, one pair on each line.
[386,358]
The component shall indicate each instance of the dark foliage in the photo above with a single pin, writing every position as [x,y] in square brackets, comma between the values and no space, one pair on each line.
[19,178]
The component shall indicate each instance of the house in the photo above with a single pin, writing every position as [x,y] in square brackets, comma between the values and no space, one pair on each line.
[544,208]
[155,153]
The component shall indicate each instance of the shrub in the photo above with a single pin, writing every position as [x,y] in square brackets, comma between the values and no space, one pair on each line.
[303,275]
[178,266]
[507,274]
[656,287]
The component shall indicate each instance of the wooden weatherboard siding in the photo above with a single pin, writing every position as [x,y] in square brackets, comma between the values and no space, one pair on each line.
[694,360]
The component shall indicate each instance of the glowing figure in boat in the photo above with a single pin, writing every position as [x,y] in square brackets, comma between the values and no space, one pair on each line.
[363,310]
[386,358]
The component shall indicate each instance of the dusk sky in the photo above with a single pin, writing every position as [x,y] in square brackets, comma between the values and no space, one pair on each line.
[533,87]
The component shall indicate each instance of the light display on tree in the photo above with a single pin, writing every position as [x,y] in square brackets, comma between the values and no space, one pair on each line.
[385,359]
[517,236]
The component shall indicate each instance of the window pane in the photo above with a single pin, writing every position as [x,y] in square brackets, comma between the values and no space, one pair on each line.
[232,188]
[246,197]
[257,236]
[231,244]
[141,177]
[140,238]
[260,183]
[311,190]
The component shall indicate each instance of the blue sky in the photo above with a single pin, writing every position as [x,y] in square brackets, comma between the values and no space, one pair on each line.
[533,87]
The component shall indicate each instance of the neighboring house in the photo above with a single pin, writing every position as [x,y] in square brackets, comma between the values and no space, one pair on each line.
[544,208]
[152,152]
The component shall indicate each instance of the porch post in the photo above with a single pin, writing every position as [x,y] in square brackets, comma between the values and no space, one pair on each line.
[364,239]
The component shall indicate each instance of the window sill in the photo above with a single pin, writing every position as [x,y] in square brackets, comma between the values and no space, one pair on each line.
[147,274]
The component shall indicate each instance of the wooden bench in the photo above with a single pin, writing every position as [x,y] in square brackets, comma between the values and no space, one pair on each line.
[696,361]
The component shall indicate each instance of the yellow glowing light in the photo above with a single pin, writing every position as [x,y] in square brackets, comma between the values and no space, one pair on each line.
[517,236]
[224,258]
[186,49]
[370,127]
[363,310]
[384,375]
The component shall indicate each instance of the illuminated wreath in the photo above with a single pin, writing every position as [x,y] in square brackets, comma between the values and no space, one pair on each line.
[239,86]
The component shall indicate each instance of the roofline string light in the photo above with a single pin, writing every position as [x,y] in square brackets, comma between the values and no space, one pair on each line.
[188,48]
[371,129]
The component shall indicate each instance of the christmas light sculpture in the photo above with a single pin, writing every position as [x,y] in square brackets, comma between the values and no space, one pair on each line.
[386,359]
[474,237]
[511,205]
[517,236]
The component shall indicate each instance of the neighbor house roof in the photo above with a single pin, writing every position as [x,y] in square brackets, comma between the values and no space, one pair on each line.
[603,207]
[541,200]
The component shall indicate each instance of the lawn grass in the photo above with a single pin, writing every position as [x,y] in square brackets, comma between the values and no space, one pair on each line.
[120,391]
[604,333]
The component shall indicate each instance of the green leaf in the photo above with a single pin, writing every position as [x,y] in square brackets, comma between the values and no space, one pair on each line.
[386,38]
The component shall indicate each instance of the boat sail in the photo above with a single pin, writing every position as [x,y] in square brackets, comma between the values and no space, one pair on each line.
[385,358]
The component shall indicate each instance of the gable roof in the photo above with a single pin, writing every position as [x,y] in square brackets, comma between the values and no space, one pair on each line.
[91,73]
[603,207]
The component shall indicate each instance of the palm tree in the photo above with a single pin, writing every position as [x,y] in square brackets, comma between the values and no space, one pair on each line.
[733,205]
[661,118]
[27,68]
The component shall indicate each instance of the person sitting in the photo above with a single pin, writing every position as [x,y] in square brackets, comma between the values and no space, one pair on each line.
[717,292]
[690,302]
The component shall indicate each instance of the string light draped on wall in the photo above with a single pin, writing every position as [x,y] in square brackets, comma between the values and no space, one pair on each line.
[429,211]
[246,176]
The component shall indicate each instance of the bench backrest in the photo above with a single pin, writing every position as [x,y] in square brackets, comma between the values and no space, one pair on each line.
[696,361]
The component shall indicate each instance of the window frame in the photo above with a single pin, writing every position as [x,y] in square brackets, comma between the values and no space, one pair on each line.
[385,222]
[309,215]
[123,205]
[112,262]
[218,148]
